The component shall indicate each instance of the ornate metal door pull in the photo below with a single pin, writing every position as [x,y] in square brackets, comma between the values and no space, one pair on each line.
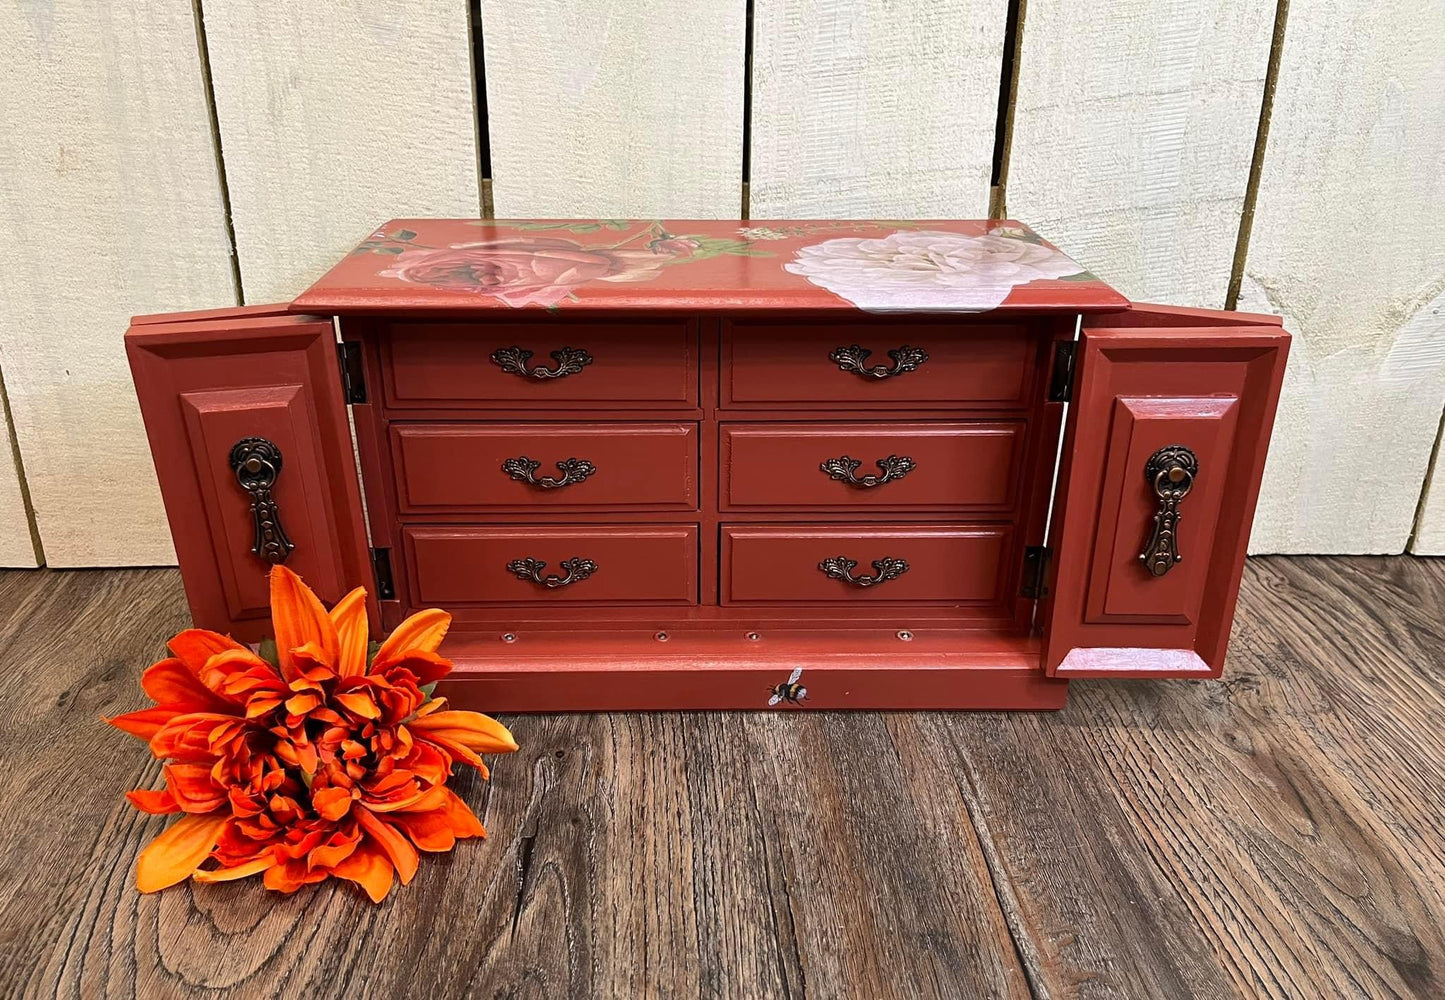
[1170,472]
[854,359]
[570,361]
[257,465]
[841,568]
[575,569]
[844,468]
[524,469]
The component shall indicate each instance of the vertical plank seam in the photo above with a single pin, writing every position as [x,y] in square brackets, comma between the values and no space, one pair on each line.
[25,503]
[1008,85]
[1430,470]
[204,53]
[1024,950]
[481,122]
[744,211]
[1256,163]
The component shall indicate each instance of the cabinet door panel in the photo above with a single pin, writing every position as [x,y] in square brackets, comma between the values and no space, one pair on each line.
[1164,451]
[207,385]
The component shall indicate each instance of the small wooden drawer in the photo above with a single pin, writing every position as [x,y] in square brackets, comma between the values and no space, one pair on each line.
[965,464]
[639,363]
[527,564]
[917,564]
[935,363]
[628,466]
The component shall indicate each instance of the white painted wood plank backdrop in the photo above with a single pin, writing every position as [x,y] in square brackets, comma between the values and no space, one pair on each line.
[111,194]
[336,115]
[1349,246]
[1429,537]
[615,109]
[874,109]
[17,543]
[1134,127]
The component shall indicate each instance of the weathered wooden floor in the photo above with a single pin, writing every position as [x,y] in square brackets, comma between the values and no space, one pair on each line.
[1278,833]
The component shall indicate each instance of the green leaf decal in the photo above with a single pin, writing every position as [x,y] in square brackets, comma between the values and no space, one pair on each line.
[391,250]
[403,234]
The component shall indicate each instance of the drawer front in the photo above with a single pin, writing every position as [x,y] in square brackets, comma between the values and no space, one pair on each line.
[524,564]
[449,467]
[970,464]
[795,364]
[646,363]
[783,564]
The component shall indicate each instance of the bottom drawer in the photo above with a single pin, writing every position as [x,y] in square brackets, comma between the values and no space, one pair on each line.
[522,564]
[910,563]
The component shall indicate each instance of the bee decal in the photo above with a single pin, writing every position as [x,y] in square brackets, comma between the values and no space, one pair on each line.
[790,690]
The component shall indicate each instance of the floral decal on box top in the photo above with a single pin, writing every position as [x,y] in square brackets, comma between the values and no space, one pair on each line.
[924,270]
[545,270]
[905,270]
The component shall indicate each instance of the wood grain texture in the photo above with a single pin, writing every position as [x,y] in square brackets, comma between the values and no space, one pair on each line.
[334,116]
[874,110]
[1133,129]
[1274,833]
[17,537]
[1429,537]
[1344,248]
[110,205]
[600,109]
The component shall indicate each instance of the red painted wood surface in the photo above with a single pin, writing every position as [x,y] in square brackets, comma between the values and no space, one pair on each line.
[786,364]
[947,563]
[411,266]
[636,564]
[1211,389]
[965,465]
[459,467]
[644,362]
[203,385]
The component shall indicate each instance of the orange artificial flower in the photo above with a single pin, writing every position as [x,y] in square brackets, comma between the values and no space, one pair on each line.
[319,761]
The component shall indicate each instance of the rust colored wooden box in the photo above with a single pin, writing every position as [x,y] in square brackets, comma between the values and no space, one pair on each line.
[672,464]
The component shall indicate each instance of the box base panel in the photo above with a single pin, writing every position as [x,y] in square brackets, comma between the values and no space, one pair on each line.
[947,669]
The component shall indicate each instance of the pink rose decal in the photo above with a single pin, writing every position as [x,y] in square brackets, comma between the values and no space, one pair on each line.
[923,271]
[526,270]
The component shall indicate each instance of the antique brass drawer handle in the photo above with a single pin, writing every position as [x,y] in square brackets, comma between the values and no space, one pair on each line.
[854,359]
[524,469]
[257,465]
[570,361]
[1170,471]
[575,569]
[844,470]
[841,568]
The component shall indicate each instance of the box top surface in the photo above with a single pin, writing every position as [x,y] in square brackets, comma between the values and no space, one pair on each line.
[475,265]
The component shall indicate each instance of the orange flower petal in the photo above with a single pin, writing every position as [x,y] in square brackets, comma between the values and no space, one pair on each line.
[238,871]
[195,646]
[429,831]
[361,703]
[390,840]
[369,868]
[178,851]
[302,703]
[147,722]
[171,682]
[299,617]
[423,631]
[291,876]
[158,802]
[349,618]
[193,788]
[469,729]
[331,803]
[426,666]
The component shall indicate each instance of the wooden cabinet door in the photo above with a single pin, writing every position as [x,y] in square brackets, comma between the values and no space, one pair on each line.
[1164,450]
[248,429]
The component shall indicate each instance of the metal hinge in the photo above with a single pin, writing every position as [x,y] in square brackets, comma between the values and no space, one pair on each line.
[381,569]
[1061,379]
[1036,568]
[353,375]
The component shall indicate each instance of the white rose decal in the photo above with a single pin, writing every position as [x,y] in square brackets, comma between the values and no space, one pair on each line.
[926,271]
